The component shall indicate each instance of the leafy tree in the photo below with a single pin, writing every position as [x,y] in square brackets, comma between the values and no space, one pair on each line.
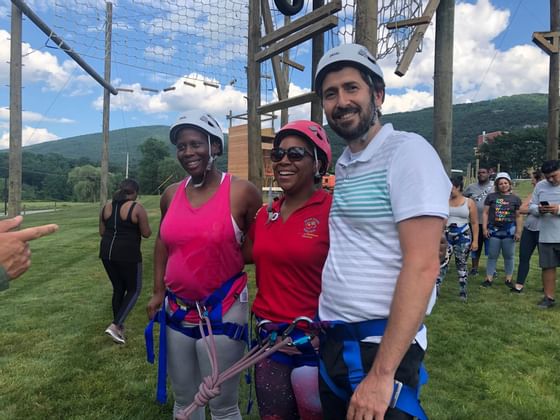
[170,171]
[153,153]
[56,187]
[85,182]
[516,151]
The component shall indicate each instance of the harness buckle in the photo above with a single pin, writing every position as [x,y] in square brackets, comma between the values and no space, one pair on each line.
[396,393]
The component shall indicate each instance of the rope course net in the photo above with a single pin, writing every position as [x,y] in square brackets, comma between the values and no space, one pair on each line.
[202,40]
[395,41]
[389,42]
[197,40]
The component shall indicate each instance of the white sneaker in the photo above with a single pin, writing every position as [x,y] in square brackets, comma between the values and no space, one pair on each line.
[113,331]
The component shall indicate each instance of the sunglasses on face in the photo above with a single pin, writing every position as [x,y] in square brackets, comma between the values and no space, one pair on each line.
[295,154]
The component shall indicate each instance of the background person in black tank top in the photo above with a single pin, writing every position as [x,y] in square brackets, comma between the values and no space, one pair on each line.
[122,222]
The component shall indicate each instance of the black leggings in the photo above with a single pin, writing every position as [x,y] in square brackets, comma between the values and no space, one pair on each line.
[126,278]
[529,241]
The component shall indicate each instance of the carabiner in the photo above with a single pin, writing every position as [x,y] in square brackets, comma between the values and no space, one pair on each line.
[294,323]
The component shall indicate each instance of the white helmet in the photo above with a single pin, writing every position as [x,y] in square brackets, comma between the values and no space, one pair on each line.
[503,175]
[200,120]
[353,55]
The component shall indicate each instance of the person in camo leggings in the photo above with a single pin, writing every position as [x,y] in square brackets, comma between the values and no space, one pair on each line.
[462,212]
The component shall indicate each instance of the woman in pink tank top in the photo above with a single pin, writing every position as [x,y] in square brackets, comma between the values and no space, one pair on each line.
[198,257]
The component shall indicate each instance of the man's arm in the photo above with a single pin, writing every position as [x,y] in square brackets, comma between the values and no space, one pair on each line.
[419,238]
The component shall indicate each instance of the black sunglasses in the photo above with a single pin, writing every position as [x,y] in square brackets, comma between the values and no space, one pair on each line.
[295,154]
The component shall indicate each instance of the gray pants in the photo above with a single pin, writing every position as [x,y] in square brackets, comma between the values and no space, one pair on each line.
[188,363]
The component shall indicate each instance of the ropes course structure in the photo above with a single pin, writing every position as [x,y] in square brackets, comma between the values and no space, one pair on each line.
[193,40]
[394,41]
[201,41]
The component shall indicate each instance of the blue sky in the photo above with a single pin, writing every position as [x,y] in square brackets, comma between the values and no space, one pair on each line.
[493,57]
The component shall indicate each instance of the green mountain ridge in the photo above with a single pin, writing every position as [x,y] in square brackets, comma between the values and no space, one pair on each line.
[506,113]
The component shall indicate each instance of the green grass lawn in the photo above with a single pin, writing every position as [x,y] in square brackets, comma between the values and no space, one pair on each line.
[496,356]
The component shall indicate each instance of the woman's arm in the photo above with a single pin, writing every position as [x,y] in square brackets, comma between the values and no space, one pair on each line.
[160,258]
[524,209]
[473,219]
[247,249]
[143,223]
[485,221]
[101,222]
[518,224]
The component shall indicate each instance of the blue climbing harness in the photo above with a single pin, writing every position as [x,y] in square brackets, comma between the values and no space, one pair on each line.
[458,234]
[212,304]
[405,398]
[268,330]
[504,231]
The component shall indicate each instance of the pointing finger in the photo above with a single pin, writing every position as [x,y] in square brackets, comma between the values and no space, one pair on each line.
[35,232]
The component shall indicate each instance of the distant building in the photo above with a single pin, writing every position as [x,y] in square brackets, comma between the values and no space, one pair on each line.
[488,137]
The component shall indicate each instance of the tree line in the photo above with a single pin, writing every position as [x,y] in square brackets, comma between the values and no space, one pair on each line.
[55,177]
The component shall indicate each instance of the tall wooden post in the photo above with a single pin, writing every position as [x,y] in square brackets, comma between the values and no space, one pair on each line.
[106,106]
[318,49]
[14,190]
[553,86]
[284,112]
[366,24]
[254,95]
[443,82]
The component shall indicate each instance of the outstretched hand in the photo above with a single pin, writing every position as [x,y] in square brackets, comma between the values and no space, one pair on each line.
[15,255]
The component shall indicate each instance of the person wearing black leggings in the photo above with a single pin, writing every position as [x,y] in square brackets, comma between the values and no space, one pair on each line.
[529,238]
[122,223]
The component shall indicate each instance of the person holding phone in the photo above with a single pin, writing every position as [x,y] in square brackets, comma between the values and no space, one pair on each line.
[545,204]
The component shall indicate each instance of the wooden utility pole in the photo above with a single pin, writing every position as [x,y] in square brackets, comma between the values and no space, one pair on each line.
[549,42]
[14,190]
[553,85]
[317,51]
[254,95]
[443,82]
[106,106]
[366,24]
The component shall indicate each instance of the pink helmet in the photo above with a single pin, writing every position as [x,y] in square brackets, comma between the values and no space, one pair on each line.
[313,132]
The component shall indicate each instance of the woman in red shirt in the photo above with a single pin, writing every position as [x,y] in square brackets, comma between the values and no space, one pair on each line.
[289,243]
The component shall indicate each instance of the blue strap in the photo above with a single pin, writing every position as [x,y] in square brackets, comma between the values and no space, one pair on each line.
[408,402]
[336,390]
[351,334]
[161,392]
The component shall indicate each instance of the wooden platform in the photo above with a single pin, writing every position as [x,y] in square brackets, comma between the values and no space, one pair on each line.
[238,156]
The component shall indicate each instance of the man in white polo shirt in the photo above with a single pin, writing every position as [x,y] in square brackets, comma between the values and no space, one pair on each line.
[390,203]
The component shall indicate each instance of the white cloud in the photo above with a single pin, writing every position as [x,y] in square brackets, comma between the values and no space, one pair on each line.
[32,117]
[30,135]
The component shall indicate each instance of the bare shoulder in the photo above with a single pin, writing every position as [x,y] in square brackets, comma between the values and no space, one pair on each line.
[167,196]
[244,190]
